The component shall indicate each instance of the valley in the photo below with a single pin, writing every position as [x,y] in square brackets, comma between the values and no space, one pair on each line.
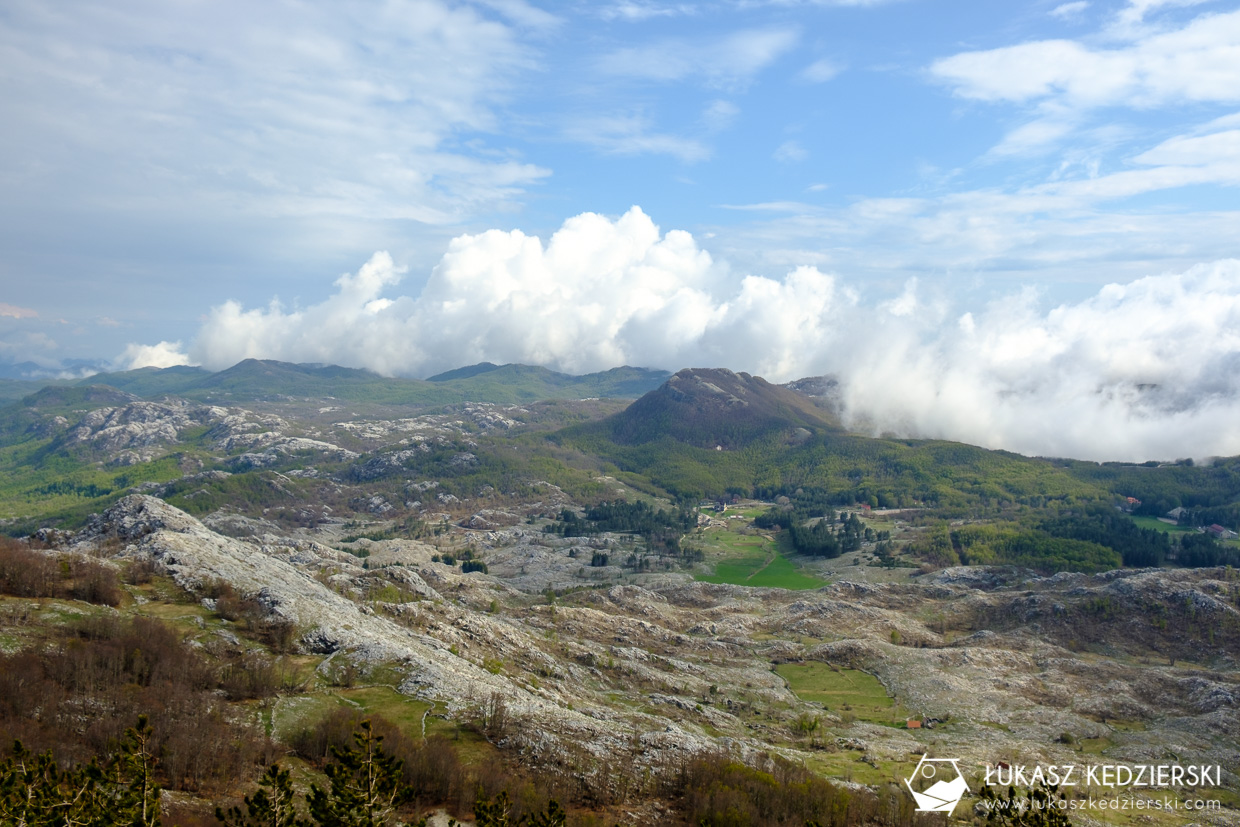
[603,592]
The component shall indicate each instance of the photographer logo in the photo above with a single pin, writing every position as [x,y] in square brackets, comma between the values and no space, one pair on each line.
[937,784]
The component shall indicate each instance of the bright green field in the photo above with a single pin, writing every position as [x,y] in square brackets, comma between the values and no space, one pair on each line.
[777,572]
[1158,525]
[842,690]
[753,560]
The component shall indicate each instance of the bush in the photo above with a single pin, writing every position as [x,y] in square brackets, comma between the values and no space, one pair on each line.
[25,572]
[68,698]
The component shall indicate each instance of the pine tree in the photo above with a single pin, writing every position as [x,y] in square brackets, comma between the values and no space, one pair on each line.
[366,786]
[492,813]
[271,806]
[132,773]
[495,813]
[36,792]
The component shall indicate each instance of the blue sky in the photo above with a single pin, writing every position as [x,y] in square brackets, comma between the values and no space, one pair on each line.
[167,169]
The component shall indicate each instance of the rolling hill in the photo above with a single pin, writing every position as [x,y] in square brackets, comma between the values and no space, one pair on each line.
[266,379]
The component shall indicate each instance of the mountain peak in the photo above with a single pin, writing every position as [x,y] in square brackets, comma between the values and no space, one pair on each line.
[715,407]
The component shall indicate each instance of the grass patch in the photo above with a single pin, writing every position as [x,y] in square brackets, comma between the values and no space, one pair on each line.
[402,710]
[842,691]
[1159,525]
[752,559]
[1094,746]
[848,766]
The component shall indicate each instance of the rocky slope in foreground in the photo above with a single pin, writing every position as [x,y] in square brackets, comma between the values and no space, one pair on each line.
[1020,667]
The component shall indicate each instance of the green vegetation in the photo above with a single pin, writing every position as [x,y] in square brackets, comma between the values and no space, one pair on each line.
[1011,544]
[1161,487]
[1155,524]
[660,529]
[720,792]
[815,532]
[268,379]
[40,487]
[744,557]
[844,470]
[764,570]
[842,690]
[116,790]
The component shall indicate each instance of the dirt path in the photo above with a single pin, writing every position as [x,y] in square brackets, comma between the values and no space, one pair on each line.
[769,560]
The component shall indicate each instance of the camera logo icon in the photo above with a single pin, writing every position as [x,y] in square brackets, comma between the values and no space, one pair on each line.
[937,784]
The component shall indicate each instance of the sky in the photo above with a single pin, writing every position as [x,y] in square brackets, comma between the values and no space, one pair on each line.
[1013,224]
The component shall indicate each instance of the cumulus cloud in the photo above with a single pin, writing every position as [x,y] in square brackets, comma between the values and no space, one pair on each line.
[162,355]
[1139,371]
[1148,369]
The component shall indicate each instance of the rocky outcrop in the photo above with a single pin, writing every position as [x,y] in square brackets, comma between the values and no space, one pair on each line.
[139,425]
[434,648]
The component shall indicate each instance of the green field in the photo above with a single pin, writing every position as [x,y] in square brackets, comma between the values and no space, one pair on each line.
[842,690]
[750,559]
[1159,525]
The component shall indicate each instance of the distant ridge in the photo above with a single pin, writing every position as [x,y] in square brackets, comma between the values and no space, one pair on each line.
[59,396]
[464,373]
[259,379]
[714,407]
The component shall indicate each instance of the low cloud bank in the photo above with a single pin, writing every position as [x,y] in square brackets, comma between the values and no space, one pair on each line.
[1146,370]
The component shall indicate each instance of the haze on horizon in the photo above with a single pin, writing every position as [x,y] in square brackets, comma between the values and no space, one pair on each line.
[1008,225]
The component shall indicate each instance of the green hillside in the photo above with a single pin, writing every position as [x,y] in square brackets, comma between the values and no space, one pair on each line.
[259,379]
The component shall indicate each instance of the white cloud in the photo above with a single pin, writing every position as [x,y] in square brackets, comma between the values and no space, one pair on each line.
[523,14]
[290,112]
[845,3]
[772,206]
[13,311]
[731,60]
[719,115]
[820,71]
[1053,231]
[162,355]
[633,135]
[1131,19]
[790,152]
[1140,67]
[636,12]
[1196,150]
[1068,10]
[1149,369]
[1139,371]
[1033,136]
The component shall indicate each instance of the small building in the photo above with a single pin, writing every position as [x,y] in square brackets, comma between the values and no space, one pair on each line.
[1219,533]
[913,723]
[1176,513]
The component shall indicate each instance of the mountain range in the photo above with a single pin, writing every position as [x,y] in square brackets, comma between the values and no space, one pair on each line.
[265,379]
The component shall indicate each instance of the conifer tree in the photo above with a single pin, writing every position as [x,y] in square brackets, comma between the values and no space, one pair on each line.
[36,792]
[270,806]
[366,786]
